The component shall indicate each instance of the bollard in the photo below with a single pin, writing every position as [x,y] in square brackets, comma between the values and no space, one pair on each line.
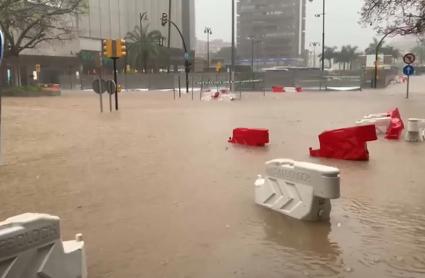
[30,246]
[298,189]
[415,130]
[180,88]
[192,87]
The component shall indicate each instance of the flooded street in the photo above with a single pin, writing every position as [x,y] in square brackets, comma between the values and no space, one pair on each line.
[158,192]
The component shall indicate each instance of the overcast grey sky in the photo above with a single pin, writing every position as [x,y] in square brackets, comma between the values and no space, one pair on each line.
[342,22]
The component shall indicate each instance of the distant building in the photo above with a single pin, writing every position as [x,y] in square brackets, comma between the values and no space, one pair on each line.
[110,19]
[215,46]
[274,29]
[115,18]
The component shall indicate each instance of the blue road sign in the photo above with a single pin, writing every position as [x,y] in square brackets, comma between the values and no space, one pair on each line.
[1,46]
[408,70]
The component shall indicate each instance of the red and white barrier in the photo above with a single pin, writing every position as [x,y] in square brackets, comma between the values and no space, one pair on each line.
[282,89]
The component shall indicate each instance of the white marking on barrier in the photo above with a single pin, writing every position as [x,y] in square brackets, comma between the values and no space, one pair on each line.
[381,123]
[298,189]
[30,246]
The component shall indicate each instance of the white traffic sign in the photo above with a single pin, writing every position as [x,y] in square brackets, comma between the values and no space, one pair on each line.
[409,58]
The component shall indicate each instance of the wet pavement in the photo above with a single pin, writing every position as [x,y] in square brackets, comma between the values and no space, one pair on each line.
[158,192]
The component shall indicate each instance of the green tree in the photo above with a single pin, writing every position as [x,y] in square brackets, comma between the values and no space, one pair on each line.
[26,24]
[419,51]
[386,50]
[401,16]
[144,47]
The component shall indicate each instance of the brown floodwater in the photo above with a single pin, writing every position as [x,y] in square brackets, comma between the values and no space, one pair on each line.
[158,192]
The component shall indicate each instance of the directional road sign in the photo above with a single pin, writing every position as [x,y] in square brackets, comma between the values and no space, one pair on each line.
[409,58]
[408,70]
[111,87]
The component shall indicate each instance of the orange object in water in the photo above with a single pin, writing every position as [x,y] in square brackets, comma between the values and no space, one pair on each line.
[250,136]
[346,143]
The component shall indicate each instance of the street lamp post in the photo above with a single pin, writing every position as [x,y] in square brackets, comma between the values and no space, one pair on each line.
[142,16]
[208,31]
[253,42]
[187,63]
[232,71]
[314,44]
[169,36]
[323,15]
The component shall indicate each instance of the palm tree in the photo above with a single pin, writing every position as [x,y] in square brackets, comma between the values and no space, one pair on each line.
[330,54]
[143,47]
[346,56]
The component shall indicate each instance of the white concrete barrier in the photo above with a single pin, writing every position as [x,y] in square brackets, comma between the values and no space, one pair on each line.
[415,130]
[298,189]
[31,247]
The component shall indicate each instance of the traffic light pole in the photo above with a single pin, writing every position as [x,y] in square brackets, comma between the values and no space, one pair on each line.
[165,20]
[116,82]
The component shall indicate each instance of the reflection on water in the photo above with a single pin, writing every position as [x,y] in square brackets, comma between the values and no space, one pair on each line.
[301,246]
[394,235]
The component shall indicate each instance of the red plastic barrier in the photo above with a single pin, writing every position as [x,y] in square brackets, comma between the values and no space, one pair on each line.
[299,89]
[346,143]
[278,89]
[396,126]
[216,95]
[250,136]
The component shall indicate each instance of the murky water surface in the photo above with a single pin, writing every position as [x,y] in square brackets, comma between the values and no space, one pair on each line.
[158,192]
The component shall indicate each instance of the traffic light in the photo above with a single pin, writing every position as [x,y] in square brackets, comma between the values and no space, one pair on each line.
[121,48]
[164,19]
[107,48]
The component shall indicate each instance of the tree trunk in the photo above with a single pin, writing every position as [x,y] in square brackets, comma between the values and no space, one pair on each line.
[3,75]
[16,70]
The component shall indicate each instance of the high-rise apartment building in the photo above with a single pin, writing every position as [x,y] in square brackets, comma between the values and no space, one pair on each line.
[272,30]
